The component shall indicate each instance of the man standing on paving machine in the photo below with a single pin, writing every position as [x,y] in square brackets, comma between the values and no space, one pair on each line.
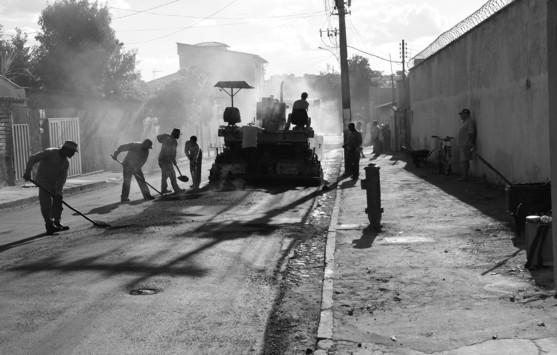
[167,158]
[195,156]
[134,160]
[249,145]
[51,176]
[299,117]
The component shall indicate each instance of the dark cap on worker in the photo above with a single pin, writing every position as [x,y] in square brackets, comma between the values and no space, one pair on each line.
[147,144]
[464,111]
[70,145]
[176,132]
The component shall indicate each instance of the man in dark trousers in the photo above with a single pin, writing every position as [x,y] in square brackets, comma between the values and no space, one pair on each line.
[353,146]
[167,158]
[195,155]
[134,160]
[51,176]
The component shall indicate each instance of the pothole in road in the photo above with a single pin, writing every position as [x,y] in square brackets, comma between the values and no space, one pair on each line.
[144,291]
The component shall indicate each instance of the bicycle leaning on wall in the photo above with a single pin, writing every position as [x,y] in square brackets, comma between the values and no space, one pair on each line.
[444,154]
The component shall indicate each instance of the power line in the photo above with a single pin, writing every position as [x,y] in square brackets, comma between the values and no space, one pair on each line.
[308,14]
[234,23]
[137,12]
[191,25]
[375,55]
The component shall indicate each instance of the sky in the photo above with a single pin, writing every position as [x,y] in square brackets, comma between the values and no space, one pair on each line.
[290,34]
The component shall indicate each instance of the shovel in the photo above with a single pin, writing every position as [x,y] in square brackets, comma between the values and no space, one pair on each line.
[137,176]
[95,223]
[182,178]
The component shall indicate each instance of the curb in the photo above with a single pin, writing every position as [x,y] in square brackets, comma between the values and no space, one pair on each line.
[69,191]
[325,329]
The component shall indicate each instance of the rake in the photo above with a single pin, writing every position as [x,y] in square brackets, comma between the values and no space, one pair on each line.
[95,223]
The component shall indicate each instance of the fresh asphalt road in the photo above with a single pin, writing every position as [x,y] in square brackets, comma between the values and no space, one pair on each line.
[210,257]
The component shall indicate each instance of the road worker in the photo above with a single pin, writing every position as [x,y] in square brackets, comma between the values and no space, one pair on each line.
[466,142]
[167,158]
[195,156]
[352,146]
[51,177]
[133,162]
[249,145]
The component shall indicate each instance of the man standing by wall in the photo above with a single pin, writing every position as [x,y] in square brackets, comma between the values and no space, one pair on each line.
[195,156]
[167,158]
[466,142]
[134,160]
[51,176]
[359,129]
[375,138]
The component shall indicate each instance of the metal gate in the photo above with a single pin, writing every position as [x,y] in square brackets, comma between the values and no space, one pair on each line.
[66,129]
[22,148]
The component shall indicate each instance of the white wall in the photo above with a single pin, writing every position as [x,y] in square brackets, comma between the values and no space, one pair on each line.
[499,71]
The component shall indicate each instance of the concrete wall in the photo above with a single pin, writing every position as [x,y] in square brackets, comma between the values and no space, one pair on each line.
[499,71]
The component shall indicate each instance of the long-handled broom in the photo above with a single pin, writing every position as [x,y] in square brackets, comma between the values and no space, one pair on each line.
[138,176]
[95,223]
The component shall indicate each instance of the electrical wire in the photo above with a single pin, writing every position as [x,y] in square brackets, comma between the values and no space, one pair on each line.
[304,14]
[137,12]
[232,23]
[191,25]
[374,55]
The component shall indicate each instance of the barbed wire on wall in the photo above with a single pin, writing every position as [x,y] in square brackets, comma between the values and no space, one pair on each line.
[482,14]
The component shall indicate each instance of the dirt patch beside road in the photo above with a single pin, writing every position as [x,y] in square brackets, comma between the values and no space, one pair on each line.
[292,326]
[418,286]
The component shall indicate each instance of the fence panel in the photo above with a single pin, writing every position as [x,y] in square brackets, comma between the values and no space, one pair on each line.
[21,148]
[66,129]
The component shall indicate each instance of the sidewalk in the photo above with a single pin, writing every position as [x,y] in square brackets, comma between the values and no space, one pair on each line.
[429,282]
[26,193]
[23,194]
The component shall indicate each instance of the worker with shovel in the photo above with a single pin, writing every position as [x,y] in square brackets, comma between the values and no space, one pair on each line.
[134,160]
[195,155]
[51,177]
[167,158]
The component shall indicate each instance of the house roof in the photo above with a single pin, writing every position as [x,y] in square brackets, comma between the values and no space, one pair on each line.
[10,91]
[219,46]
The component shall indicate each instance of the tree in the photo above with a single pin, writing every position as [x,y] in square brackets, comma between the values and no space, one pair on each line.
[15,59]
[80,53]
[183,102]
[362,77]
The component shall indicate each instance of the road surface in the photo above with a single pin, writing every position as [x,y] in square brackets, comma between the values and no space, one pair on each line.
[189,274]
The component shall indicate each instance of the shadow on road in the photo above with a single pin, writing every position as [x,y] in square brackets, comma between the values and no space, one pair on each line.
[168,213]
[21,242]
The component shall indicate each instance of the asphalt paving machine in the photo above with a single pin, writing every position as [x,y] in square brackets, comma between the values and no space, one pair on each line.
[283,155]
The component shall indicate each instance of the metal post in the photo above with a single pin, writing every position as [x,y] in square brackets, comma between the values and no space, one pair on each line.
[552,76]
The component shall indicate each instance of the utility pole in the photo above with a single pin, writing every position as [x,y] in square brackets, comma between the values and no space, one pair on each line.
[403,56]
[344,79]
